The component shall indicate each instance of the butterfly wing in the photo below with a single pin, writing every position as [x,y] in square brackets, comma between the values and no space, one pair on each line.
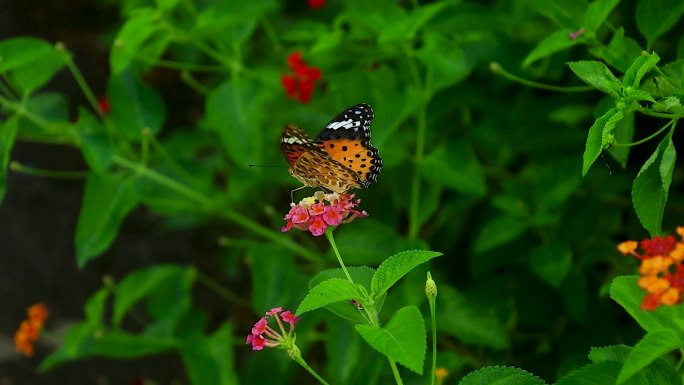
[346,138]
[311,165]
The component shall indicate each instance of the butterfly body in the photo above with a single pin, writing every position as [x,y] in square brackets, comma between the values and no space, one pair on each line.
[341,158]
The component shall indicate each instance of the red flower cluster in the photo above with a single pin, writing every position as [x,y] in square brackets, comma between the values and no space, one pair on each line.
[662,269]
[29,330]
[299,85]
[103,103]
[316,3]
[262,334]
[314,215]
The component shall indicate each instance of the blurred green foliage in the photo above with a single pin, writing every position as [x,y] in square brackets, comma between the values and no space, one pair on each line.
[523,183]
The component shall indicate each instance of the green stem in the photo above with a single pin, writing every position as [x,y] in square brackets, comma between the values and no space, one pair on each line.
[331,239]
[681,359]
[395,371]
[21,111]
[209,205]
[180,66]
[271,34]
[221,290]
[656,114]
[80,80]
[304,365]
[18,167]
[646,139]
[431,301]
[497,69]
[197,86]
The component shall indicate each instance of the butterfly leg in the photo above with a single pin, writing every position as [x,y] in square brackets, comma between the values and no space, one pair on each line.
[292,193]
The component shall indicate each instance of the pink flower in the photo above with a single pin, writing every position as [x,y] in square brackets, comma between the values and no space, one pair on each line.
[263,335]
[320,211]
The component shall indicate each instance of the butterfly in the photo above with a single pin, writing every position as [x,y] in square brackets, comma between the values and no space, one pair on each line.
[341,157]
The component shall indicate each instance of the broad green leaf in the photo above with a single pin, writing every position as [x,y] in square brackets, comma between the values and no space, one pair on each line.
[655,17]
[500,375]
[140,26]
[616,353]
[8,131]
[141,283]
[119,344]
[134,106]
[106,202]
[327,292]
[28,62]
[398,265]
[231,21]
[209,360]
[403,339]
[272,273]
[469,321]
[96,305]
[651,347]
[454,165]
[94,142]
[167,4]
[598,76]
[361,275]
[641,65]
[652,184]
[445,57]
[551,262]
[601,373]
[170,303]
[597,12]
[234,111]
[553,43]
[620,52]
[498,231]
[595,137]
[625,291]
[74,346]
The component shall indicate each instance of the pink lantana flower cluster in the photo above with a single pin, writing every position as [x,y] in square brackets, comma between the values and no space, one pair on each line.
[264,336]
[316,213]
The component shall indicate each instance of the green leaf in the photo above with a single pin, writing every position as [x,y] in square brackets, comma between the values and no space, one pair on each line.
[209,360]
[551,262]
[625,291]
[134,106]
[598,76]
[655,17]
[398,265]
[234,111]
[361,275]
[141,24]
[142,283]
[565,13]
[616,353]
[652,184]
[651,347]
[106,202]
[8,131]
[620,52]
[469,321]
[500,375]
[624,133]
[403,339]
[445,57]
[597,13]
[597,135]
[601,373]
[273,271]
[95,144]
[74,346]
[343,349]
[120,344]
[455,165]
[327,292]
[553,43]
[28,62]
[641,65]
[231,21]
[497,231]
[96,305]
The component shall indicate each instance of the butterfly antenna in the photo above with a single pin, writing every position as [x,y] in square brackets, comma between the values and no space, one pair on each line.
[292,193]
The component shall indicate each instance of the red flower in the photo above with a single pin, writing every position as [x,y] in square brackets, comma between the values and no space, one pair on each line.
[29,330]
[662,269]
[103,103]
[320,211]
[300,84]
[263,335]
[316,3]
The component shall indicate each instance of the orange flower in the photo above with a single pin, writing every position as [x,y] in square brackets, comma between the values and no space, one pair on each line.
[440,374]
[30,328]
[662,268]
